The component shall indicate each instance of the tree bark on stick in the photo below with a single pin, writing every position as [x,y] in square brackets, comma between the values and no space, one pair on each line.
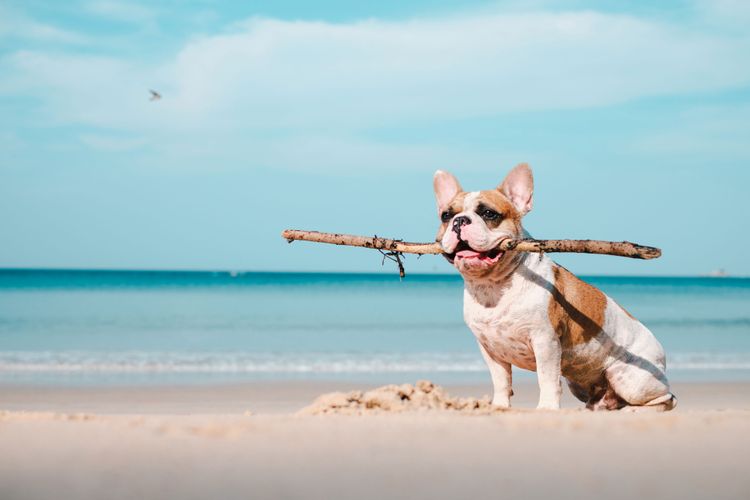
[619,248]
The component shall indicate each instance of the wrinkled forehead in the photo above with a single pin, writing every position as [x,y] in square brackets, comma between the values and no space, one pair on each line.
[494,199]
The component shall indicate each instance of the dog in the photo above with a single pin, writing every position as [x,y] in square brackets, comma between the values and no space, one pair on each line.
[527,311]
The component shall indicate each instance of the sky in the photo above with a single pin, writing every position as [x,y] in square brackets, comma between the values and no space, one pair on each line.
[333,116]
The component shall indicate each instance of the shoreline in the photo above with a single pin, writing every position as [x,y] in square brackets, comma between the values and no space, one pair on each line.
[249,441]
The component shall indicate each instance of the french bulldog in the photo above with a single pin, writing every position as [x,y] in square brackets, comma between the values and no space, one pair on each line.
[527,311]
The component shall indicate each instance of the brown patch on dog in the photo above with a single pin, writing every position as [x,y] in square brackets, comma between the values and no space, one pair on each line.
[455,206]
[497,201]
[576,309]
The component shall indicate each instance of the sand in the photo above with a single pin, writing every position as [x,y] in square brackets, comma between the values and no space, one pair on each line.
[398,398]
[252,441]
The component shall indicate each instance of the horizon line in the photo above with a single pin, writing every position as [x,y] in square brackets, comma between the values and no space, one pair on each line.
[369,273]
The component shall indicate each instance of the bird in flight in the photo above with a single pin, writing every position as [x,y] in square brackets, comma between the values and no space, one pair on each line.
[155,96]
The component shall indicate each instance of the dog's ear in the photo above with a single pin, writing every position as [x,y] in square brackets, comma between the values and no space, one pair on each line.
[518,186]
[446,188]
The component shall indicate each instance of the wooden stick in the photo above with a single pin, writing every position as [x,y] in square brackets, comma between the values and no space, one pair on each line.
[619,248]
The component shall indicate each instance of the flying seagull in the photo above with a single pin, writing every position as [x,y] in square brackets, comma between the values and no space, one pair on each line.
[155,96]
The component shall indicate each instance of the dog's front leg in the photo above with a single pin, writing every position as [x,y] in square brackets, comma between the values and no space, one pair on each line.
[547,351]
[502,379]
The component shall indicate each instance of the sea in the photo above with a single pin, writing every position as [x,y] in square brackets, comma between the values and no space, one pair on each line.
[60,327]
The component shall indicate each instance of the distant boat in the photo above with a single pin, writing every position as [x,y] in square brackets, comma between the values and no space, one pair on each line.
[718,273]
[155,96]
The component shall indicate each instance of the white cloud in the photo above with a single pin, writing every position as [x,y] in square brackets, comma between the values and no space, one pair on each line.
[279,73]
[335,79]
[87,90]
[303,73]
[16,25]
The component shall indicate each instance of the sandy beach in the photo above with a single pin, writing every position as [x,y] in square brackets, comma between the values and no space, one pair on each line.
[248,441]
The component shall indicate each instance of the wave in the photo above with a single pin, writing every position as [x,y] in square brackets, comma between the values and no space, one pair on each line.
[143,362]
[295,363]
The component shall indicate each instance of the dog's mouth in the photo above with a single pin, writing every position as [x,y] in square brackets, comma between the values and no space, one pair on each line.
[464,253]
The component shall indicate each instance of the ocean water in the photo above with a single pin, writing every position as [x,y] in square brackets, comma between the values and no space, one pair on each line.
[112,327]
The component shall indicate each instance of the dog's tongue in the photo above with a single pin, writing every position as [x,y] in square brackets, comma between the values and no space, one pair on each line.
[473,254]
[468,254]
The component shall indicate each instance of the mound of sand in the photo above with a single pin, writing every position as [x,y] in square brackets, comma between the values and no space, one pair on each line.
[422,396]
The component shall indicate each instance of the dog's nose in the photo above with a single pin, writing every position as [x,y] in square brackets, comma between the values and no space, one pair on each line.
[458,222]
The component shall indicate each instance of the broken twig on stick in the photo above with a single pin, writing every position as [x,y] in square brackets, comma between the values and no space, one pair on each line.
[619,248]
[395,257]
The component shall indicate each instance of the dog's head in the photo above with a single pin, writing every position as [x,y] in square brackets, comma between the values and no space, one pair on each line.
[472,224]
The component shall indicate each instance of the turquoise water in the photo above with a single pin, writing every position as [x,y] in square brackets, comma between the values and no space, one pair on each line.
[83,327]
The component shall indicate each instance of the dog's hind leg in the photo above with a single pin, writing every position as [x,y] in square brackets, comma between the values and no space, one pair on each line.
[641,384]
[609,400]
[666,402]
[597,395]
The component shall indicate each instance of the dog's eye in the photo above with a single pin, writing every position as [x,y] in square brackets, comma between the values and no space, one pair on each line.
[489,214]
[446,216]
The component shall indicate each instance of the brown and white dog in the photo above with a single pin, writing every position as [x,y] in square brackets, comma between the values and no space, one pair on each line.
[527,311]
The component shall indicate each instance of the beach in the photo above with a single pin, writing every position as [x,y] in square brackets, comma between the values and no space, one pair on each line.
[249,441]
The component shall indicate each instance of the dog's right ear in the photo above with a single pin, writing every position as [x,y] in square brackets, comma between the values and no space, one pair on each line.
[446,188]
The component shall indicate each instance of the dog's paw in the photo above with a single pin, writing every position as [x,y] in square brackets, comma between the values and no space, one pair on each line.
[502,403]
[548,405]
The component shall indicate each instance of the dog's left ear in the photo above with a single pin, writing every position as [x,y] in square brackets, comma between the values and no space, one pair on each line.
[518,186]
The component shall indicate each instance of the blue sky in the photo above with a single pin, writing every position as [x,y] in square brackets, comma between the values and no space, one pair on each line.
[333,116]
